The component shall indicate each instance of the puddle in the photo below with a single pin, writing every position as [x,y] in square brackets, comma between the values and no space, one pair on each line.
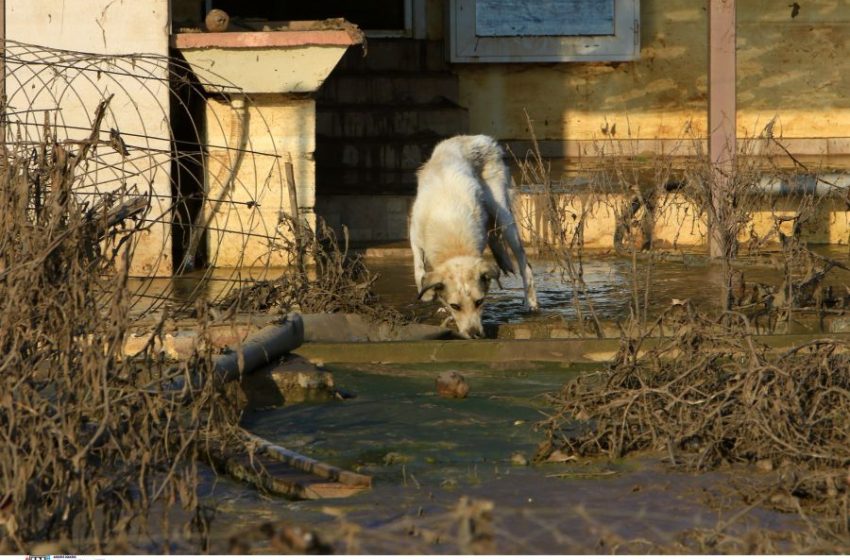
[425,452]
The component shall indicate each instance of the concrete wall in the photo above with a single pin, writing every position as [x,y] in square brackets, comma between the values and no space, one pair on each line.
[797,68]
[140,106]
[678,223]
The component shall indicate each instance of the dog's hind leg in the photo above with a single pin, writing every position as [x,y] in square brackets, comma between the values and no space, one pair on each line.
[498,248]
[496,177]
[511,233]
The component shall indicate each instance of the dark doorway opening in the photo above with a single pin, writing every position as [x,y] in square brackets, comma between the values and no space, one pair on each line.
[367,14]
[188,124]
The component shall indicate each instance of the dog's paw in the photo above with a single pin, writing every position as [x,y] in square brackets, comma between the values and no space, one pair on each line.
[532,305]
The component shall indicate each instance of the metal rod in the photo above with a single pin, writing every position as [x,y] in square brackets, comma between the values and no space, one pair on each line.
[3,79]
[294,213]
[722,142]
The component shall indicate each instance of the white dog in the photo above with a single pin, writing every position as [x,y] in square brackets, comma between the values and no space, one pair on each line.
[463,204]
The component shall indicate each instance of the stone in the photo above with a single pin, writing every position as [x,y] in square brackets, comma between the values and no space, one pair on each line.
[217,21]
[519,459]
[291,380]
[299,380]
[452,385]
[764,465]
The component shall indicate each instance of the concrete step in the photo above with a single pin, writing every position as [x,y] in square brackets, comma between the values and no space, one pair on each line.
[407,55]
[367,121]
[389,88]
[403,154]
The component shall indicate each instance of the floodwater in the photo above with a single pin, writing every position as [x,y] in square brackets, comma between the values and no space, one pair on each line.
[425,453]
[611,283]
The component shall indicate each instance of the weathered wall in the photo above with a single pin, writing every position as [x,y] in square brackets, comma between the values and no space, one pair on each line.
[240,230]
[678,223]
[797,68]
[107,27]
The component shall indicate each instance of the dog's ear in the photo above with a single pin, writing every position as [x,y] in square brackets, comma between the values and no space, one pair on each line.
[432,283]
[489,271]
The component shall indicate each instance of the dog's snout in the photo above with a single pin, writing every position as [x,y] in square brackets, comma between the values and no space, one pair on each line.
[475,332]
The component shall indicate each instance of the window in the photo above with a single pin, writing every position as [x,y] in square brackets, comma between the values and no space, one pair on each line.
[544,31]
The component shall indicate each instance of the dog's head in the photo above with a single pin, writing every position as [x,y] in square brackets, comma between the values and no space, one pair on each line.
[461,284]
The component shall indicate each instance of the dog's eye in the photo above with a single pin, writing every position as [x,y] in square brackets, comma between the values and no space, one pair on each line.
[478,302]
[455,306]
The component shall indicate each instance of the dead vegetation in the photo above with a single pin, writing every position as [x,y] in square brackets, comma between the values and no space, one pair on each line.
[662,201]
[321,275]
[94,456]
[710,395]
[693,385]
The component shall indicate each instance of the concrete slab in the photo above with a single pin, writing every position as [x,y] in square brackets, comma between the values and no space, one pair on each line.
[490,351]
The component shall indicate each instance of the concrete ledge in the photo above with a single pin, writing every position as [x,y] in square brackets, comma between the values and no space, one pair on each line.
[486,351]
[263,39]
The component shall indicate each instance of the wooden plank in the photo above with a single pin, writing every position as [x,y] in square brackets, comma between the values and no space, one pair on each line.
[276,477]
[516,18]
[309,465]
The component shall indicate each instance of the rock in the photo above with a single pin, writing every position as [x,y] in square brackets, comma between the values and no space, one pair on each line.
[452,385]
[299,380]
[217,21]
[519,459]
[764,465]
[291,380]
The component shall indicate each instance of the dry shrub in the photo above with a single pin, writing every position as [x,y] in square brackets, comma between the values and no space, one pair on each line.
[710,394]
[320,276]
[91,445]
[676,185]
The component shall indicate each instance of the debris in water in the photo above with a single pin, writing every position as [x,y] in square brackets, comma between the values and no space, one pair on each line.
[519,459]
[452,385]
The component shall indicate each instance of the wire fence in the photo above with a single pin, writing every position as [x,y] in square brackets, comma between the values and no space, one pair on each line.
[190,148]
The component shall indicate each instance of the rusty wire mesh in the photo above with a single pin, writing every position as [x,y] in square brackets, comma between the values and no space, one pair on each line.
[155,141]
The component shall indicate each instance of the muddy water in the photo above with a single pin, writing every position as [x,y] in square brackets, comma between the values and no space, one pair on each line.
[426,452]
[611,283]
